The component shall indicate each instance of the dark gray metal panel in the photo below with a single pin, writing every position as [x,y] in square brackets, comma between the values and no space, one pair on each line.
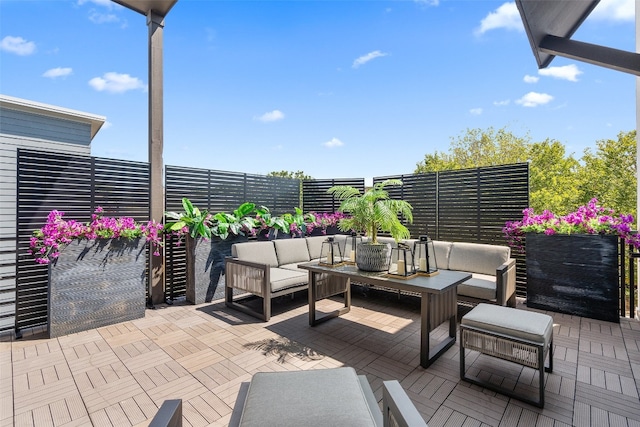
[560,18]
[551,23]
[615,59]
[161,7]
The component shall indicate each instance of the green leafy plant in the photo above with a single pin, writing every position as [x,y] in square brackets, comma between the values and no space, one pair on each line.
[373,211]
[237,223]
[192,221]
[264,220]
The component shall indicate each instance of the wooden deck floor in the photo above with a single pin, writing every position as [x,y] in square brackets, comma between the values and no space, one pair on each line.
[119,375]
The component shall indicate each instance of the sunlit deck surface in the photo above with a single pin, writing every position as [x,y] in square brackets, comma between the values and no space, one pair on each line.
[119,375]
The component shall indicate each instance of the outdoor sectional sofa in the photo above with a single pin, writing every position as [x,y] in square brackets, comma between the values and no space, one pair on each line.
[269,269]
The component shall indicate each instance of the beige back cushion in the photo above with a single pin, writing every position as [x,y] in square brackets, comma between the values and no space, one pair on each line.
[260,252]
[314,244]
[290,251]
[477,258]
[442,251]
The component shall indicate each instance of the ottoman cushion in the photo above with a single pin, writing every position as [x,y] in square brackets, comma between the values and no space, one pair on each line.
[512,322]
[307,398]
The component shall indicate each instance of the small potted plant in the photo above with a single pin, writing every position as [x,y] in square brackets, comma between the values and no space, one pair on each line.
[372,212]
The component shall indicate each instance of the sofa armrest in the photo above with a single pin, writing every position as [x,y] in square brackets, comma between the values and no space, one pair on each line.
[506,283]
[397,408]
[247,276]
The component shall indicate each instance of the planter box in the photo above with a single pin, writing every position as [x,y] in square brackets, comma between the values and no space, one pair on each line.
[205,265]
[574,274]
[96,283]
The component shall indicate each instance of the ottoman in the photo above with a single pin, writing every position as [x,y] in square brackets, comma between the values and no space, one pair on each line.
[519,336]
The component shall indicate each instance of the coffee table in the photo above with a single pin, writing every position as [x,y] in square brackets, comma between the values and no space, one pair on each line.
[438,299]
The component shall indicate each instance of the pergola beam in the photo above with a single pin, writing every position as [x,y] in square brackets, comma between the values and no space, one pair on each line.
[155,11]
[620,60]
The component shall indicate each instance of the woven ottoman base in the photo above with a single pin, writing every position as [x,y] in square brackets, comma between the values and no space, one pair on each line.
[519,336]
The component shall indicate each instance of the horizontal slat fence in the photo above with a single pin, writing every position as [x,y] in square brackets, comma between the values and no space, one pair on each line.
[75,185]
[316,198]
[468,205]
[219,191]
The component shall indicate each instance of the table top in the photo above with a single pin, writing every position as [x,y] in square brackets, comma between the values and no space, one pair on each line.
[443,281]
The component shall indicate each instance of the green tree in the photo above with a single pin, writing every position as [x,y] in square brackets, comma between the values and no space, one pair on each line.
[478,148]
[300,175]
[609,174]
[553,181]
[290,174]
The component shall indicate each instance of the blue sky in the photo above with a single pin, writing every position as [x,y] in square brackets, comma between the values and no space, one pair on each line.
[332,88]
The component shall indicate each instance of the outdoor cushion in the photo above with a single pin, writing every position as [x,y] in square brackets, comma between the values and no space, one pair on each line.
[318,397]
[480,286]
[442,251]
[314,244]
[522,324]
[294,267]
[283,279]
[258,252]
[477,258]
[291,251]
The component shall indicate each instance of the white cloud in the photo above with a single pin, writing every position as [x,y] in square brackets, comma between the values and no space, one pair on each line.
[566,72]
[334,142]
[17,45]
[502,103]
[368,57]
[58,72]
[475,111]
[427,2]
[102,18]
[530,79]
[271,116]
[105,3]
[614,10]
[506,16]
[533,99]
[116,83]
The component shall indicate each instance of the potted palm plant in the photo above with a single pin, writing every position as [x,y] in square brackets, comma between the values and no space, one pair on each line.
[371,212]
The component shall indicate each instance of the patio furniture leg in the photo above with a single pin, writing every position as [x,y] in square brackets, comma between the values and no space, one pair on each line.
[313,296]
[434,309]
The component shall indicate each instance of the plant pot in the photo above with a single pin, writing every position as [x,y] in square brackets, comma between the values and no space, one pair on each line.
[205,265]
[373,257]
[95,283]
[282,235]
[266,234]
[574,274]
[333,229]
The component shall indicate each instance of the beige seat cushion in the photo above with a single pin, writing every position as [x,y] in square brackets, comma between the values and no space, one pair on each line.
[258,252]
[294,267]
[283,279]
[480,286]
[512,322]
[290,251]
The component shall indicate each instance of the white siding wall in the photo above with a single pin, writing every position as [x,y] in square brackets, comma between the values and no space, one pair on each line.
[9,145]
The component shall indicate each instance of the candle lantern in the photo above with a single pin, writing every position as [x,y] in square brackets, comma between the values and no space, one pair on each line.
[351,247]
[425,257]
[330,253]
[405,265]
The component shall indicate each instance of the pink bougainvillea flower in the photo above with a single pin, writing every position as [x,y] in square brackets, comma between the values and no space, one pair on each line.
[46,243]
[587,219]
